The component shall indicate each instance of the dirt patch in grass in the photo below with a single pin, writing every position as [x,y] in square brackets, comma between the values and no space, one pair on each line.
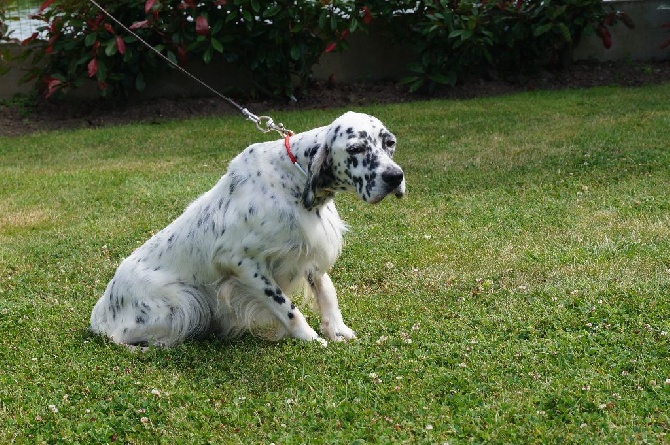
[19,117]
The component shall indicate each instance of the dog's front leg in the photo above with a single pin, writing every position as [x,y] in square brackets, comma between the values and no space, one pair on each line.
[274,299]
[332,324]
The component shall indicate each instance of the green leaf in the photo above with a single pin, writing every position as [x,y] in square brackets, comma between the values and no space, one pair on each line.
[322,19]
[207,56]
[271,11]
[110,48]
[415,86]
[444,79]
[216,45]
[172,57]
[353,25]
[296,52]
[139,82]
[90,39]
[408,80]
[542,29]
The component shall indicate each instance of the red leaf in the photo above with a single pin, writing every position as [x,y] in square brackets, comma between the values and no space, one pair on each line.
[92,67]
[148,5]
[201,25]
[53,27]
[52,86]
[120,45]
[109,28]
[605,36]
[29,39]
[50,46]
[220,2]
[330,47]
[367,16]
[142,24]
[45,5]
[344,34]
[181,53]
[186,4]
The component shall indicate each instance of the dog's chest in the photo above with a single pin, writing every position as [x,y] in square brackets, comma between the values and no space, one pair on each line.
[322,231]
[315,244]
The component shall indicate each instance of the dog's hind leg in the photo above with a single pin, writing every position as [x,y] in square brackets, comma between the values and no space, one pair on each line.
[163,316]
[332,324]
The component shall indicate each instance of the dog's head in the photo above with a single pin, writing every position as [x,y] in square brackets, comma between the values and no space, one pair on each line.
[356,155]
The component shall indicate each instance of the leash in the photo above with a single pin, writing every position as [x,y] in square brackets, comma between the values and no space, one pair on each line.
[263,123]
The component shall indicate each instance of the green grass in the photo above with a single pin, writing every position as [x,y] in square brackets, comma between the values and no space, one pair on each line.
[519,294]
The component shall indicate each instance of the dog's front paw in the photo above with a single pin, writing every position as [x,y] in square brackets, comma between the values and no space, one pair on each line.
[308,334]
[337,331]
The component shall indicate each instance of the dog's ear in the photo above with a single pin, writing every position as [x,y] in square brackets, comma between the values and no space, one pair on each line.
[313,174]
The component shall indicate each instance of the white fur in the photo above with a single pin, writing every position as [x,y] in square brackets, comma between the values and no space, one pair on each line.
[230,262]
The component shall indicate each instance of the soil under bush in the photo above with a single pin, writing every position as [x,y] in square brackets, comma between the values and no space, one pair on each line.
[18,117]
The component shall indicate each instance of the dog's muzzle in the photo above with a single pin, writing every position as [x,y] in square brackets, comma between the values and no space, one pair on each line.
[395,179]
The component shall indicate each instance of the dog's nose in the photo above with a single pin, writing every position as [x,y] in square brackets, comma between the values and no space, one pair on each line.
[393,176]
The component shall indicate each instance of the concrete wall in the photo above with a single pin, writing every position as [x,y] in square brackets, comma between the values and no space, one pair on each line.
[373,57]
[641,43]
[9,83]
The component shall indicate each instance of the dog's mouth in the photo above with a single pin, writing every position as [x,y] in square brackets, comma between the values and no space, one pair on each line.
[400,191]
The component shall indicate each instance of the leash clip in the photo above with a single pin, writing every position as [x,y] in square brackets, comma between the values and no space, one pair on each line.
[266,124]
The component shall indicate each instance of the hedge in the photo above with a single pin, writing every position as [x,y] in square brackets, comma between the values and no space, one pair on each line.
[278,42]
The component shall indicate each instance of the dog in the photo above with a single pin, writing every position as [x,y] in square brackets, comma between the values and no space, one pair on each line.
[229,264]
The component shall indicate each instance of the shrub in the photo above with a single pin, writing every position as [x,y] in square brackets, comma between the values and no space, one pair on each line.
[458,38]
[277,42]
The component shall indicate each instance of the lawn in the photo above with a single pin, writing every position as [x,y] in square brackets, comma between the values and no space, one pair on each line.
[518,294]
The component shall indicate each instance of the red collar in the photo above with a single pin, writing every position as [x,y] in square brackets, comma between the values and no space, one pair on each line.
[287,144]
[291,156]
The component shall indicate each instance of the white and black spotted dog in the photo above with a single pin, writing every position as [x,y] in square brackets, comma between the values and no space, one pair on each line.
[229,263]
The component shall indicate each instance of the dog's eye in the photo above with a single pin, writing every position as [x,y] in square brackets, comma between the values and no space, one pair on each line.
[356,148]
[390,143]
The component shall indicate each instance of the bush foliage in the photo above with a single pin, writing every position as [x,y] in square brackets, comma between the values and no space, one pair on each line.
[279,42]
[275,42]
[456,39]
